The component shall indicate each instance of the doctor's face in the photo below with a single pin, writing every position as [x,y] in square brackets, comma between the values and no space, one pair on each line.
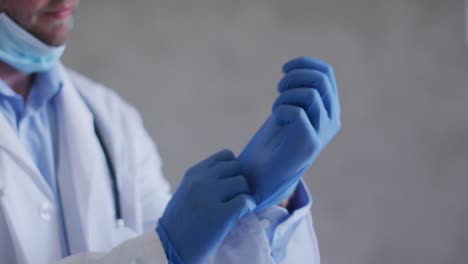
[49,20]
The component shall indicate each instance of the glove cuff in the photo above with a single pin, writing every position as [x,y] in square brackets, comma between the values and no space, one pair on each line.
[171,252]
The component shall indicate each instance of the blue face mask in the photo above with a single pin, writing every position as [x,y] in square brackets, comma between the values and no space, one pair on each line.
[21,50]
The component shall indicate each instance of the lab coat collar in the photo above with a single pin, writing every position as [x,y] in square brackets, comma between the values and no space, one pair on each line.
[11,144]
[83,182]
[81,163]
[9,140]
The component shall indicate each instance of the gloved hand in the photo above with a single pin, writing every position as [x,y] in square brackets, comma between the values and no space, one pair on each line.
[211,198]
[306,116]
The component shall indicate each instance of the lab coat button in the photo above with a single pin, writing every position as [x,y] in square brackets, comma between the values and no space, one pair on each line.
[120,223]
[46,211]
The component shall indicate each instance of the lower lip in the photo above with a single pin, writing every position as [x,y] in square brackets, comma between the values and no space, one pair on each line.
[64,13]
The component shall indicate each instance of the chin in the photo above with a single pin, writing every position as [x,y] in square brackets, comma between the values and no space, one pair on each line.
[57,40]
[55,34]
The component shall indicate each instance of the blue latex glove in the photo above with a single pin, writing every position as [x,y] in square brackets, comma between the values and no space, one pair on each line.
[209,201]
[306,116]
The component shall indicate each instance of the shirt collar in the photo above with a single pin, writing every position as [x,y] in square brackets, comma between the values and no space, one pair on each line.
[45,86]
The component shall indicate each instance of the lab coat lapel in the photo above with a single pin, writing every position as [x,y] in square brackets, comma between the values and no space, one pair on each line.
[24,197]
[81,170]
[10,144]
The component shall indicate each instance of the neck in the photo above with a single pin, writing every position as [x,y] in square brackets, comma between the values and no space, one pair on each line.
[18,81]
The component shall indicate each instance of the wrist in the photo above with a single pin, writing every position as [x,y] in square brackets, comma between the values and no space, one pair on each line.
[171,253]
[292,202]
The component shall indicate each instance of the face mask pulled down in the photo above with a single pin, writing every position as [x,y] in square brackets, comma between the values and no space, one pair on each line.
[24,52]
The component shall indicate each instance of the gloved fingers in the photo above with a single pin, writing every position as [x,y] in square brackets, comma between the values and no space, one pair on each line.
[310,78]
[304,78]
[304,98]
[299,97]
[232,187]
[226,169]
[312,64]
[316,111]
[241,205]
[289,114]
[301,139]
[223,155]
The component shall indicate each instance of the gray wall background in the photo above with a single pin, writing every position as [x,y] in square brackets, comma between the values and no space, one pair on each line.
[392,187]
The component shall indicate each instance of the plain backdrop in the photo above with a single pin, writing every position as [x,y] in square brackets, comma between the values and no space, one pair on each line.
[392,186]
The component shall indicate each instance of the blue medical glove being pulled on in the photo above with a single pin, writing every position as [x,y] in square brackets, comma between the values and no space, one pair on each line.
[211,198]
[306,116]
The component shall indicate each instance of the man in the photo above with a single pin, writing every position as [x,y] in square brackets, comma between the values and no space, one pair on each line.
[81,180]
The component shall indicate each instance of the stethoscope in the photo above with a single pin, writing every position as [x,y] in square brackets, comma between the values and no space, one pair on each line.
[112,175]
[110,165]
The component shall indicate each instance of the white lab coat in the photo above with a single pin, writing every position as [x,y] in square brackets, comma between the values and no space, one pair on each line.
[29,230]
